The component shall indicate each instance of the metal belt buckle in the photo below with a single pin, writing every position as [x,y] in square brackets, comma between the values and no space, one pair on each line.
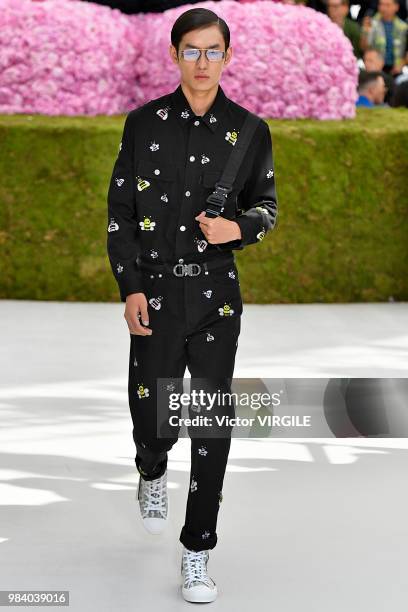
[176,268]
[193,269]
[193,266]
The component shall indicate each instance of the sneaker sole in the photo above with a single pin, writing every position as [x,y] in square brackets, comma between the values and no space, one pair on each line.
[196,597]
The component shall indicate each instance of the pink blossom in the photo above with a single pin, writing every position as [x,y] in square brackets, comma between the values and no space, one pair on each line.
[67,57]
[289,61]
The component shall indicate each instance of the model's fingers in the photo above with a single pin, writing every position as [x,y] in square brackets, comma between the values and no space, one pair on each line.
[144,314]
[133,319]
[140,330]
[204,220]
[134,326]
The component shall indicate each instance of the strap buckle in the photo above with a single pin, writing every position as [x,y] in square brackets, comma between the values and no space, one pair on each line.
[192,269]
[218,197]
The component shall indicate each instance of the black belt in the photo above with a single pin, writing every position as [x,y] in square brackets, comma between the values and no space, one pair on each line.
[193,268]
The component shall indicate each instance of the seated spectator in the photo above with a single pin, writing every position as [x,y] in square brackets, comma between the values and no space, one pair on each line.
[338,10]
[388,34]
[371,89]
[373,61]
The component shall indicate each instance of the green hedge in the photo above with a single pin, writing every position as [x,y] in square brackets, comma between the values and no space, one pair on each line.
[342,234]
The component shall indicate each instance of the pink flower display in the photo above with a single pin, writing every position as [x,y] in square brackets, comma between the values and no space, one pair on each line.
[67,57]
[62,57]
[289,61]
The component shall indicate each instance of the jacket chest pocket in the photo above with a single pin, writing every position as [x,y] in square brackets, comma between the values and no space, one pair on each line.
[207,182]
[155,184]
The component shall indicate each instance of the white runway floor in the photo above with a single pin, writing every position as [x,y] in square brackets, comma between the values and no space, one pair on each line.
[315,525]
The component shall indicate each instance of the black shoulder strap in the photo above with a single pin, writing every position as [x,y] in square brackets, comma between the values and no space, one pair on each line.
[223,187]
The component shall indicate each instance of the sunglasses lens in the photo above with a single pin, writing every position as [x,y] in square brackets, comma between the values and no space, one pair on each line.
[214,55]
[191,55]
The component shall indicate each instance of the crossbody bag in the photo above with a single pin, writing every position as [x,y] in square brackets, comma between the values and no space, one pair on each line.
[216,200]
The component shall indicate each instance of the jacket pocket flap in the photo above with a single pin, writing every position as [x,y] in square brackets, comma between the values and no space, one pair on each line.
[157,170]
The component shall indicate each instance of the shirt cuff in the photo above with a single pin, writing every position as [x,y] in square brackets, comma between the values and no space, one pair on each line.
[130,284]
[251,229]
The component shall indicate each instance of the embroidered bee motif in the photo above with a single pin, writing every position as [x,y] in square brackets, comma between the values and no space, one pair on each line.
[154,146]
[231,137]
[261,235]
[164,197]
[156,302]
[201,245]
[212,118]
[193,486]
[208,293]
[142,391]
[226,311]
[210,337]
[153,254]
[147,224]
[163,112]
[204,159]
[269,173]
[205,535]
[185,114]
[119,268]
[202,451]
[142,183]
[262,209]
[113,226]
[119,181]
[231,274]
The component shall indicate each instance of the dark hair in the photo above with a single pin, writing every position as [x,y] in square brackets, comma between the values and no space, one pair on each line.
[400,97]
[342,3]
[194,19]
[368,76]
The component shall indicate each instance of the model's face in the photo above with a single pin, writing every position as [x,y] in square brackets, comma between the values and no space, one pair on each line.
[206,38]
[373,61]
[387,9]
[336,10]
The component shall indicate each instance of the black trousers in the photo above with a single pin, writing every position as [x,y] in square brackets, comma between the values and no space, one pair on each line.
[196,322]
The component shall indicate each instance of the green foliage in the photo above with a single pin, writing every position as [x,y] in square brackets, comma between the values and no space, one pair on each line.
[342,194]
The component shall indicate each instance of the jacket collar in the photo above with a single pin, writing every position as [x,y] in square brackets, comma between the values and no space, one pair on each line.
[211,118]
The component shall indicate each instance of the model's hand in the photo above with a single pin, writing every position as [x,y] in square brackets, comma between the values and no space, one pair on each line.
[218,229]
[136,308]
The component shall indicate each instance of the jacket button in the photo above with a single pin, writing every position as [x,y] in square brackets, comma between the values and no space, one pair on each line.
[192,158]
[182,228]
[188,193]
[157,171]
[196,123]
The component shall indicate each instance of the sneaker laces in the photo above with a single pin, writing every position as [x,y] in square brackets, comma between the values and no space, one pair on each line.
[195,568]
[154,494]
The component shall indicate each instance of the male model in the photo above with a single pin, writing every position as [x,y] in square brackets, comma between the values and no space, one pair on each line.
[175,267]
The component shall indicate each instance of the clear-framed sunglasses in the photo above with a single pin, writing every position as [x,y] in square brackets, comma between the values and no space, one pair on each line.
[192,55]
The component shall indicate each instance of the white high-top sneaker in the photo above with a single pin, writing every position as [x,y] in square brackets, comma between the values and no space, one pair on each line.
[197,586]
[153,503]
